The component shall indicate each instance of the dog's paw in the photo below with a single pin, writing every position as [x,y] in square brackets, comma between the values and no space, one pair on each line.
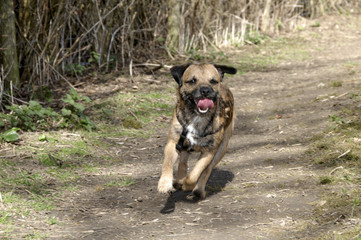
[177,185]
[165,185]
[199,194]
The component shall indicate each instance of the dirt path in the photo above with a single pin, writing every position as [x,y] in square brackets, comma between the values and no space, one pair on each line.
[265,187]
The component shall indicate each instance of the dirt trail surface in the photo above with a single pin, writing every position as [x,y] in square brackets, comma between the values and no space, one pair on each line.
[264,188]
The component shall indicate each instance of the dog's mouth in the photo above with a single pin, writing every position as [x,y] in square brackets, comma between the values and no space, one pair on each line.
[204,104]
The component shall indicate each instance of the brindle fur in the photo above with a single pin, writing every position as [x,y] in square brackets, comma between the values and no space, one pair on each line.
[207,133]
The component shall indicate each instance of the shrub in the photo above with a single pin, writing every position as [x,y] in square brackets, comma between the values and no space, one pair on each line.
[34,117]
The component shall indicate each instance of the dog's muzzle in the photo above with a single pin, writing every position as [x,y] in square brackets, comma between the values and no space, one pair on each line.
[204,99]
[204,104]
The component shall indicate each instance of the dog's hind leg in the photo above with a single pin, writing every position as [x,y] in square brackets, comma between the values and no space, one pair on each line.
[165,183]
[199,189]
[182,169]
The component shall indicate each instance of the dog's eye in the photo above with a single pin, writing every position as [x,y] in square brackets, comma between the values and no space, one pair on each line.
[213,82]
[192,81]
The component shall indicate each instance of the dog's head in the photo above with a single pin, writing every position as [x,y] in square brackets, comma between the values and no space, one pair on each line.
[199,85]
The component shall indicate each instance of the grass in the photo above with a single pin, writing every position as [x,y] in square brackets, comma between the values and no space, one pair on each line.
[16,206]
[353,234]
[121,182]
[65,176]
[271,53]
[133,113]
[32,182]
[316,24]
[325,180]
[338,152]
[49,164]
[336,84]
[70,155]
[351,64]
[263,53]
[36,235]
[52,220]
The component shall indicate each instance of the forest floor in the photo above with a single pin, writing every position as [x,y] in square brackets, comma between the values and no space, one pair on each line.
[292,170]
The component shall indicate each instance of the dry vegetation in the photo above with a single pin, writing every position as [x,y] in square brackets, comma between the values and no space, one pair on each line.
[57,40]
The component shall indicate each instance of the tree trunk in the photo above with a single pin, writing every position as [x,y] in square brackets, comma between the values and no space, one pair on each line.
[8,44]
[266,17]
[173,24]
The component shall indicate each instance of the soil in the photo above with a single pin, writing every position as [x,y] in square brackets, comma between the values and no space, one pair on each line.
[265,187]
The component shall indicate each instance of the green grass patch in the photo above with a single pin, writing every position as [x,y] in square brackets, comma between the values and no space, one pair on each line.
[133,114]
[71,153]
[211,55]
[23,180]
[325,180]
[270,53]
[351,64]
[17,206]
[34,179]
[36,235]
[336,84]
[145,106]
[250,63]
[52,220]
[121,182]
[4,217]
[64,176]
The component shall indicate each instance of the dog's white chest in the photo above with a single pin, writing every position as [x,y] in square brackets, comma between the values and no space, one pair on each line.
[192,132]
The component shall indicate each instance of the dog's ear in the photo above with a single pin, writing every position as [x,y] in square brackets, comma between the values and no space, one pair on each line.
[225,69]
[177,73]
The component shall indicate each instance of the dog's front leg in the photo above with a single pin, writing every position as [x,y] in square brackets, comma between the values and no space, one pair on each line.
[165,183]
[190,181]
[182,169]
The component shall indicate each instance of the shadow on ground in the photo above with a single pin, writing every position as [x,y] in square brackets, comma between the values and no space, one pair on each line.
[216,183]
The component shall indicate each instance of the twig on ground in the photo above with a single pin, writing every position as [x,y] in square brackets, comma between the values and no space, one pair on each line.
[335,169]
[135,116]
[151,65]
[344,94]
[343,154]
[2,206]
[10,156]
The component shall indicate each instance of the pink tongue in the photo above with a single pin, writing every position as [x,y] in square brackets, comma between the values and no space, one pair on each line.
[205,103]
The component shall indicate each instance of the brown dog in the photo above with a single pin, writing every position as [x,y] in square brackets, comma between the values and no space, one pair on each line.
[202,122]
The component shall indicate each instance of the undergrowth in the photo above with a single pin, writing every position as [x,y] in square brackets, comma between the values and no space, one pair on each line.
[338,151]
[35,117]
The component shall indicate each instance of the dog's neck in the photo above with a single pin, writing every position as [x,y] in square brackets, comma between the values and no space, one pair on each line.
[196,126]
[189,116]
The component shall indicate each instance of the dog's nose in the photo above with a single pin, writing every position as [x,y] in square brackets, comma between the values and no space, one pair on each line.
[205,91]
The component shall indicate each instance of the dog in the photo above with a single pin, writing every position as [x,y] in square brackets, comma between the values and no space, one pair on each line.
[203,121]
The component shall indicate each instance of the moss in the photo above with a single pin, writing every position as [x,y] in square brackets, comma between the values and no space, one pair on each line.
[325,180]
[336,84]
[131,123]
